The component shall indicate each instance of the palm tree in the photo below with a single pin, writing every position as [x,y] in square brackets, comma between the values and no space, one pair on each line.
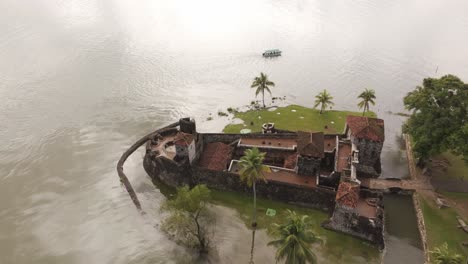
[294,240]
[442,255]
[367,97]
[252,169]
[261,83]
[323,98]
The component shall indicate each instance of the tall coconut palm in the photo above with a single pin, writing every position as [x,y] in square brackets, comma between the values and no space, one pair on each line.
[261,83]
[442,255]
[323,98]
[367,97]
[251,171]
[294,240]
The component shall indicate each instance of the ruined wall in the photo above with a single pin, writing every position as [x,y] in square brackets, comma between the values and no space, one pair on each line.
[199,148]
[369,151]
[348,221]
[187,125]
[369,157]
[228,138]
[167,171]
[220,137]
[174,174]
[331,180]
[308,166]
[181,151]
[226,181]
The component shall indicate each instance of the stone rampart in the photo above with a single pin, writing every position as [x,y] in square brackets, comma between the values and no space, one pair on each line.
[322,199]
[347,220]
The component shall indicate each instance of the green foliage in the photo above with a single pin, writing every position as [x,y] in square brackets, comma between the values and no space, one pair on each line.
[367,96]
[252,167]
[209,118]
[439,119]
[189,220]
[324,99]
[231,110]
[221,113]
[441,226]
[442,255]
[251,171]
[262,83]
[294,239]
[339,248]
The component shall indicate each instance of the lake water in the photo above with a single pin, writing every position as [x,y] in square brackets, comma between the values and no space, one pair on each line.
[80,81]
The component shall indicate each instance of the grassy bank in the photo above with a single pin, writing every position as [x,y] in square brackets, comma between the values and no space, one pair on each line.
[442,226]
[457,169]
[293,117]
[337,248]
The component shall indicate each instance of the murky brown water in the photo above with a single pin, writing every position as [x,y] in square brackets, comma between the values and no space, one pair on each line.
[82,80]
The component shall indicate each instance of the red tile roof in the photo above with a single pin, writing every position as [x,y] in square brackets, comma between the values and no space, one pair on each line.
[215,156]
[348,194]
[366,127]
[310,144]
[290,161]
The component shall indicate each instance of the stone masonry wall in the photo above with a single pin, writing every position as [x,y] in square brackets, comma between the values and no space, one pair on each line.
[176,175]
[167,171]
[348,221]
[369,158]
[228,138]
[308,166]
[312,197]
[369,151]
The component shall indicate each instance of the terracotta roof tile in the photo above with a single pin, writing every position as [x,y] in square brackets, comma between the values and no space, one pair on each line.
[215,156]
[290,161]
[348,194]
[310,144]
[366,127]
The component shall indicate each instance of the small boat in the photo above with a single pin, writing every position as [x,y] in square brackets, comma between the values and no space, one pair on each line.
[272,53]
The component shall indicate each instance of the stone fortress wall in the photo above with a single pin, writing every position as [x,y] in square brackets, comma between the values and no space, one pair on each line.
[184,172]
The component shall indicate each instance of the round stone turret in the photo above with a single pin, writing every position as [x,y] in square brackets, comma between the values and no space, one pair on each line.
[187,125]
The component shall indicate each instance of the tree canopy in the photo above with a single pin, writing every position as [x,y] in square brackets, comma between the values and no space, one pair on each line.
[262,84]
[439,119]
[252,167]
[189,221]
[442,255]
[294,239]
[367,96]
[324,99]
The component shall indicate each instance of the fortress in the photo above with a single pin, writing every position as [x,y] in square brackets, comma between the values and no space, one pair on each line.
[311,169]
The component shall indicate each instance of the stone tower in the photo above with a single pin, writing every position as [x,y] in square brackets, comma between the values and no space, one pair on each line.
[367,136]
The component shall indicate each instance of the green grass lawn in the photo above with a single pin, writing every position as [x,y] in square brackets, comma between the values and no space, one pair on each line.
[338,248]
[294,118]
[460,197]
[441,226]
